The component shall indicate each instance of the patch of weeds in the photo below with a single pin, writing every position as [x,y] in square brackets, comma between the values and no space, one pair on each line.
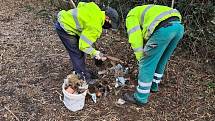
[211,85]
[29,8]
[45,14]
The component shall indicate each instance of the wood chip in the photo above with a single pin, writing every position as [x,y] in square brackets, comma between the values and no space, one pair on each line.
[114,59]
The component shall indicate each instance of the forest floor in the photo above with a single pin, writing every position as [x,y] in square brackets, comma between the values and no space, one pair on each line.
[33,64]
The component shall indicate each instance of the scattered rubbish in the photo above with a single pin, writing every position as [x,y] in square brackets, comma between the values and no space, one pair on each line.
[93,96]
[118,67]
[74,91]
[98,94]
[126,70]
[70,90]
[120,101]
[83,86]
[120,81]
[120,72]
[98,90]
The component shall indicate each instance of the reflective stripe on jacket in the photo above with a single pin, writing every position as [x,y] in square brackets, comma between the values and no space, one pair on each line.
[86,21]
[141,22]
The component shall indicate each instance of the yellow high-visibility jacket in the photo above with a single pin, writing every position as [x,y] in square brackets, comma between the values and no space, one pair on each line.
[86,21]
[141,22]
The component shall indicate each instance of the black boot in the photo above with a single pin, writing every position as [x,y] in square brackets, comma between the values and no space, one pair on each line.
[129,97]
[92,74]
[91,81]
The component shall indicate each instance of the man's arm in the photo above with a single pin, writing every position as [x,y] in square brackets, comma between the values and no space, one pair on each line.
[87,38]
[135,36]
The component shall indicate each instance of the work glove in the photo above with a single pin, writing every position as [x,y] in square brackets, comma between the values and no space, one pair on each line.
[100,56]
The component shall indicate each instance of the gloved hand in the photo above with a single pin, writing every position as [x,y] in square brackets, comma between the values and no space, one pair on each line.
[100,56]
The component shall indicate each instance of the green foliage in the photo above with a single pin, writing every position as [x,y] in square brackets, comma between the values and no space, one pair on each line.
[28,8]
[61,4]
[199,20]
[211,85]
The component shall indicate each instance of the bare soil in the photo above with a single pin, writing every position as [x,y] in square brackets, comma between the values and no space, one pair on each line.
[33,64]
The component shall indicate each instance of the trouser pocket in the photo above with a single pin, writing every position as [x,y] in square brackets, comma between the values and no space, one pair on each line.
[149,47]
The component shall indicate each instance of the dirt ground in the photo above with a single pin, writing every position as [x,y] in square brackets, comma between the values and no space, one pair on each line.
[33,64]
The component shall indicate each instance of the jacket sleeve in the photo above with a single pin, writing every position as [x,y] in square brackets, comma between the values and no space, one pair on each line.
[81,4]
[135,36]
[88,37]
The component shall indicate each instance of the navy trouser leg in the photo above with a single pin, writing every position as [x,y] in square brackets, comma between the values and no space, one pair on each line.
[70,42]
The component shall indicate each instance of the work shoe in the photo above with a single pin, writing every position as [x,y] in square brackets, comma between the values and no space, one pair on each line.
[154,87]
[131,99]
[92,74]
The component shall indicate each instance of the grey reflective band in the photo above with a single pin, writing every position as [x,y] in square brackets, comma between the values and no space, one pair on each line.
[143,13]
[158,75]
[152,25]
[134,29]
[156,81]
[143,91]
[89,50]
[142,84]
[58,16]
[86,39]
[75,16]
[138,49]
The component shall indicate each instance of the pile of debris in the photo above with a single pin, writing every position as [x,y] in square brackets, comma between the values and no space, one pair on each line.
[76,86]
[119,72]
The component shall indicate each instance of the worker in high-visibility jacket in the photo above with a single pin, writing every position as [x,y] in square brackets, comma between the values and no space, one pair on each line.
[154,32]
[79,28]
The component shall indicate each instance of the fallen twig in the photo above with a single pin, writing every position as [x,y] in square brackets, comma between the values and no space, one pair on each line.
[114,59]
[105,71]
[102,72]
[60,95]
[12,113]
[110,49]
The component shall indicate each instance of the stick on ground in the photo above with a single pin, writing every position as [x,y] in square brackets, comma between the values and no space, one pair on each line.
[12,113]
